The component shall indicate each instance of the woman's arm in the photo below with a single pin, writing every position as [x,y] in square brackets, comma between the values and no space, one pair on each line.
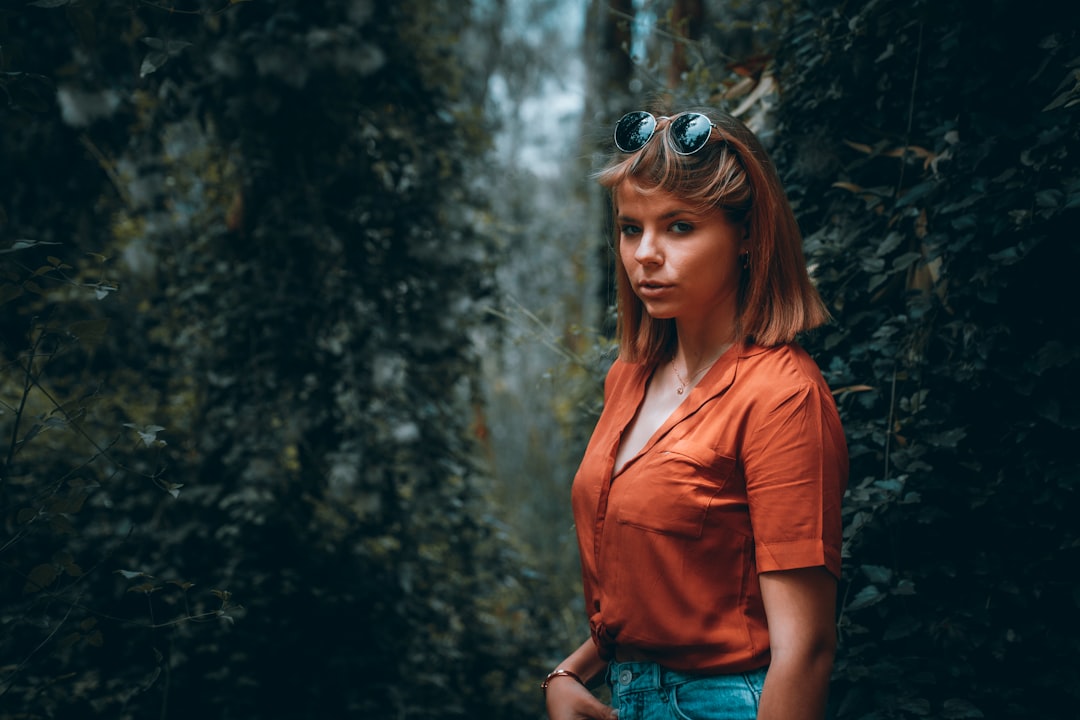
[801,609]
[569,700]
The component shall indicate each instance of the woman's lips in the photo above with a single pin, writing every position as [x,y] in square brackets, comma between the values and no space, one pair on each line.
[652,290]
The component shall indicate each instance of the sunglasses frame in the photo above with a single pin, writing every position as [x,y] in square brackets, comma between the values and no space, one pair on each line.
[677,144]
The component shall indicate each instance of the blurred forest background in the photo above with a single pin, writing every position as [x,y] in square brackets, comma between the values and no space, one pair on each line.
[305,311]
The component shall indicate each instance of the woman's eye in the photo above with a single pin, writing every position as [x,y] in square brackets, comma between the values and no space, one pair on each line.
[682,227]
[630,230]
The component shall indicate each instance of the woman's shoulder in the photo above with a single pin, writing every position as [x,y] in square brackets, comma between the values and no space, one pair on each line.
[782,369]
[622,372]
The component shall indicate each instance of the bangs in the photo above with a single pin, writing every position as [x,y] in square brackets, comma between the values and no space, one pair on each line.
[713,177]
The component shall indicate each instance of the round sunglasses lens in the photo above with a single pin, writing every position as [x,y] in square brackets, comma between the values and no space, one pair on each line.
[690,132]
[634,130]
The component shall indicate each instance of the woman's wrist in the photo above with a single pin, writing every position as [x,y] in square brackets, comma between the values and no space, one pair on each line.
[560,672]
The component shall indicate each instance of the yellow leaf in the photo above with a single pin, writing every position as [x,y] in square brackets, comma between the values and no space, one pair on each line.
[910,150]
[851,389]
[861,147]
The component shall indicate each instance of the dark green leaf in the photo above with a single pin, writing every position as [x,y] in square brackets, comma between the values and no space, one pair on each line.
[958,708]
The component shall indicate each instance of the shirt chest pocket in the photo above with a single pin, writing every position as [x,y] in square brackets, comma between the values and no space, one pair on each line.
[672,491]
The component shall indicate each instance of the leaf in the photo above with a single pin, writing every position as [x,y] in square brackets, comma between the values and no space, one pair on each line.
[906,260]
[160,52]
[869,595]
[877,574]
[1070,94]
[32,432]
[147,433]
[957,708]
[9,292]
[152,62]
[901,628]
[890,485]
[890,243]
[131,574]
[948,438]
[916,192]
[1051,198]
[904,587]
[40,578]
[24,244]
[1008,256]
[69,640]
[851,389]
[915,706]
[147,587]
[861,147]
[965,222]
[101,290]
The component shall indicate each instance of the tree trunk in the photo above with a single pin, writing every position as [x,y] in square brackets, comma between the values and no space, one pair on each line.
[687,20]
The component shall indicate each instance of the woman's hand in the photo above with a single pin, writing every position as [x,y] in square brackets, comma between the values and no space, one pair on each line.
[567,699]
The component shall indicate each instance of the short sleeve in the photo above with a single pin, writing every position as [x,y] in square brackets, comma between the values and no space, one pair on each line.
[795,463]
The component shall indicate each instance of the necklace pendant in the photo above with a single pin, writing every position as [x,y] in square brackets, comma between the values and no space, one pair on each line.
[680,390]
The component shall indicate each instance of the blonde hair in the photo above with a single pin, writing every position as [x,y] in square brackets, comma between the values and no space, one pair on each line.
[733,172]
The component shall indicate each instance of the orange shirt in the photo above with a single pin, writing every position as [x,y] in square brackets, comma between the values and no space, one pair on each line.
[745,476]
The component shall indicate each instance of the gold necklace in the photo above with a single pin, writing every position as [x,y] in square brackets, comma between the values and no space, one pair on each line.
[684,383]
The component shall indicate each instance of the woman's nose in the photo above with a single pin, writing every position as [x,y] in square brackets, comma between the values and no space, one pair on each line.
[648,251]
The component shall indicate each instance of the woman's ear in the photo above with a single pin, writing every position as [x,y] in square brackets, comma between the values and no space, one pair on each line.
[744,246]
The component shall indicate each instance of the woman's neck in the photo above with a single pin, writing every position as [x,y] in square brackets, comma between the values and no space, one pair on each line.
[696,350]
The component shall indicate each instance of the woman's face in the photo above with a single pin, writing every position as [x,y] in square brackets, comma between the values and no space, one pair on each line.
[682,263]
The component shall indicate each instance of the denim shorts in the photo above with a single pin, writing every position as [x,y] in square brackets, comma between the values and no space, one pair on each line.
[647,691]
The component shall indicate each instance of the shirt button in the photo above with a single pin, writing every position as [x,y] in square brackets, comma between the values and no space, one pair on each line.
[625,677]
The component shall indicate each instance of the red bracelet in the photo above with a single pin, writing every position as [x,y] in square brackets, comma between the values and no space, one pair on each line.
[561,672]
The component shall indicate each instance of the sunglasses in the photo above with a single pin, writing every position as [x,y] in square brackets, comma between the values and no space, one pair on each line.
[688,132]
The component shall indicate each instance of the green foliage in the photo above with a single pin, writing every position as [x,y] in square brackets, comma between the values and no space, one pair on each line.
[931,150]
[67,456]
[262,378]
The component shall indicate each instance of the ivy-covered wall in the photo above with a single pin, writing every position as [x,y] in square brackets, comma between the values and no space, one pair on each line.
[932,150]
[240,287]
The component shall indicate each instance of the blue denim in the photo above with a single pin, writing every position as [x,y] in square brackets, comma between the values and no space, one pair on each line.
[647,691]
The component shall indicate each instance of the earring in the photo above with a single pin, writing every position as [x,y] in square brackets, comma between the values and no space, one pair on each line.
[745,260]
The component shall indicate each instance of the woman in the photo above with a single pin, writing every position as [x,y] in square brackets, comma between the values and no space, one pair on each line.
[707,504]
